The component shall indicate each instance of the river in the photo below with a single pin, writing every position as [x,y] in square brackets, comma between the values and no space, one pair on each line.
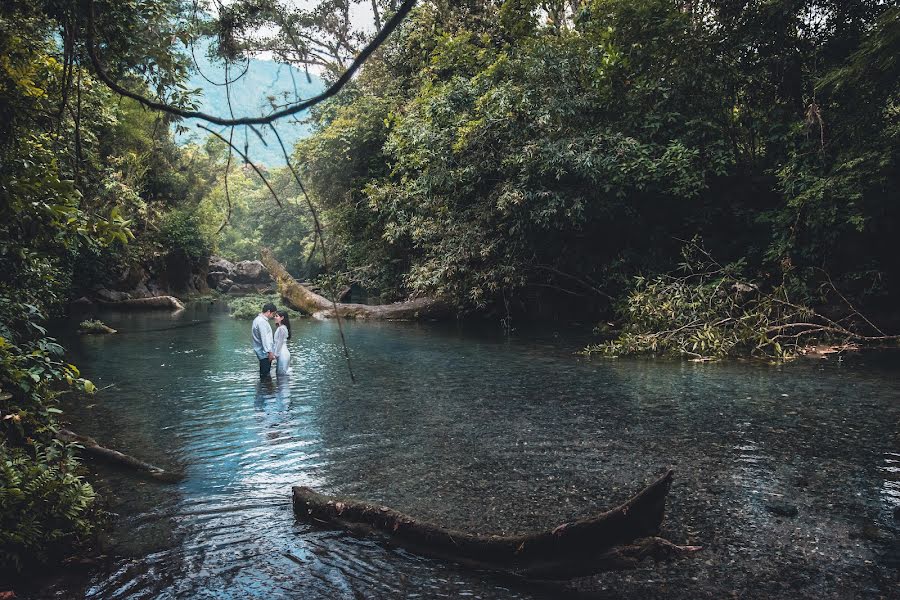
[787,475]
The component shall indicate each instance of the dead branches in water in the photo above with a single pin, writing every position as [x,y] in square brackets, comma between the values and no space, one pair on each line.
[707,311]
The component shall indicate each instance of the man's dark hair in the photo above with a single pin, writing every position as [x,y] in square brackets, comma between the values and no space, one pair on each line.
[268,307]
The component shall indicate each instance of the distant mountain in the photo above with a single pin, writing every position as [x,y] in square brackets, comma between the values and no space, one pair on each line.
[250,97]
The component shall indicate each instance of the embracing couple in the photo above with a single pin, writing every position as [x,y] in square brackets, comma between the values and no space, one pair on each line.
[267,348]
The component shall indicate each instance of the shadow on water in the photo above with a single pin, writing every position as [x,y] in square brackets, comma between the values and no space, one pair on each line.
[787,475]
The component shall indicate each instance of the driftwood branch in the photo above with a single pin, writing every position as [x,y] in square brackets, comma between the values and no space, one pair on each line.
[303,299]
[321,238]
[617,539]
[92,448]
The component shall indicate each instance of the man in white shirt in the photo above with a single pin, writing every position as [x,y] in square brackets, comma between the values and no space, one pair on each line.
[263,344]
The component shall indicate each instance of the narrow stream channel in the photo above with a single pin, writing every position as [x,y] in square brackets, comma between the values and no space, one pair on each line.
[787,475]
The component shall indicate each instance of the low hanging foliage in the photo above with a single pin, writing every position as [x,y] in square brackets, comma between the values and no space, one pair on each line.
[44,503]
[706,311]
[246,308]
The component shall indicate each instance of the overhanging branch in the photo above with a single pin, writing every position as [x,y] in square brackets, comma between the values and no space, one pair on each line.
[333,89]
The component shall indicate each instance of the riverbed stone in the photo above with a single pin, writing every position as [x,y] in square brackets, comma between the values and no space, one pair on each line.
[782,509]
[224,285]
[250,271]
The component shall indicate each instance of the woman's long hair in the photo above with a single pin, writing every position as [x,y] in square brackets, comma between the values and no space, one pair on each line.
[286,322]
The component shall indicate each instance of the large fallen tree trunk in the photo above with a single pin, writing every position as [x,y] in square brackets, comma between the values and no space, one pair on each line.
[94,449]
[304,299]
[163,302]
[613,540]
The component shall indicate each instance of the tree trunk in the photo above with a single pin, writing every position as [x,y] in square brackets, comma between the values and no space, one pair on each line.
[91,447]
[166,302]
[320,307]
[613,540]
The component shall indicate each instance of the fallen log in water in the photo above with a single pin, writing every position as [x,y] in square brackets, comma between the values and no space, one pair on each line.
[304,299]
[613,540]
[162,302]
[91,447]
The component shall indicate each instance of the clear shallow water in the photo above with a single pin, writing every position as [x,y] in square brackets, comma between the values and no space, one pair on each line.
[480,432]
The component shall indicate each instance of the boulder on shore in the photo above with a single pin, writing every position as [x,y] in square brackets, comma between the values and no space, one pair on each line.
[106,295]
[244,289]
[250,271]
[217,264]
[214,278]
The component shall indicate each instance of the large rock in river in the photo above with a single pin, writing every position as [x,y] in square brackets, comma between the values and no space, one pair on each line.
[250,271]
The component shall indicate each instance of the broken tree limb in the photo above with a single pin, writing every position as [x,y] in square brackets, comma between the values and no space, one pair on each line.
[94,449]
[163,302]
[303,299]
[617,539]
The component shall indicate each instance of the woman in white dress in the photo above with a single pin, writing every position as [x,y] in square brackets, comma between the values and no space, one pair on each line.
[282,335]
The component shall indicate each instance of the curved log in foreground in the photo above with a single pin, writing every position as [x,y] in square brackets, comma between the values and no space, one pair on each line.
[303,299]
[163,302]
[613,540]
[91,447]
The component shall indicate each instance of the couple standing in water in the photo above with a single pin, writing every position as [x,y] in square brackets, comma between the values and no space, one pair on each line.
[271,348]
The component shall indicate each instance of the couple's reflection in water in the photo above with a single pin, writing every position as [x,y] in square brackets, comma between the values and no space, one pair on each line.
[273,394]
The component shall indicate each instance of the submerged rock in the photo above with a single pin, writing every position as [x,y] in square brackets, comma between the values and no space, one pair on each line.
[782,509]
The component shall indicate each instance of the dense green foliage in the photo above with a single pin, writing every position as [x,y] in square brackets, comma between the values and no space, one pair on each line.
[491,148]
[82,173]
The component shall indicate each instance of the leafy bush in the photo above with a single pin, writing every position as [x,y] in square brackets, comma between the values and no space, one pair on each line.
[246,308]
[43,502]
[185,230]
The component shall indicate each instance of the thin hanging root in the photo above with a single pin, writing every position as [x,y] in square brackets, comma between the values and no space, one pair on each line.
[321,238]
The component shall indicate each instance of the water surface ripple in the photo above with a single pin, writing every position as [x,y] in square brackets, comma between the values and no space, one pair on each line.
[787,475]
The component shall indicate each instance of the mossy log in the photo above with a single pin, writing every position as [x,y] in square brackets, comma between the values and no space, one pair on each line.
[304,299]
[97,329]
[614,540]
[160,302]
[94,449]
